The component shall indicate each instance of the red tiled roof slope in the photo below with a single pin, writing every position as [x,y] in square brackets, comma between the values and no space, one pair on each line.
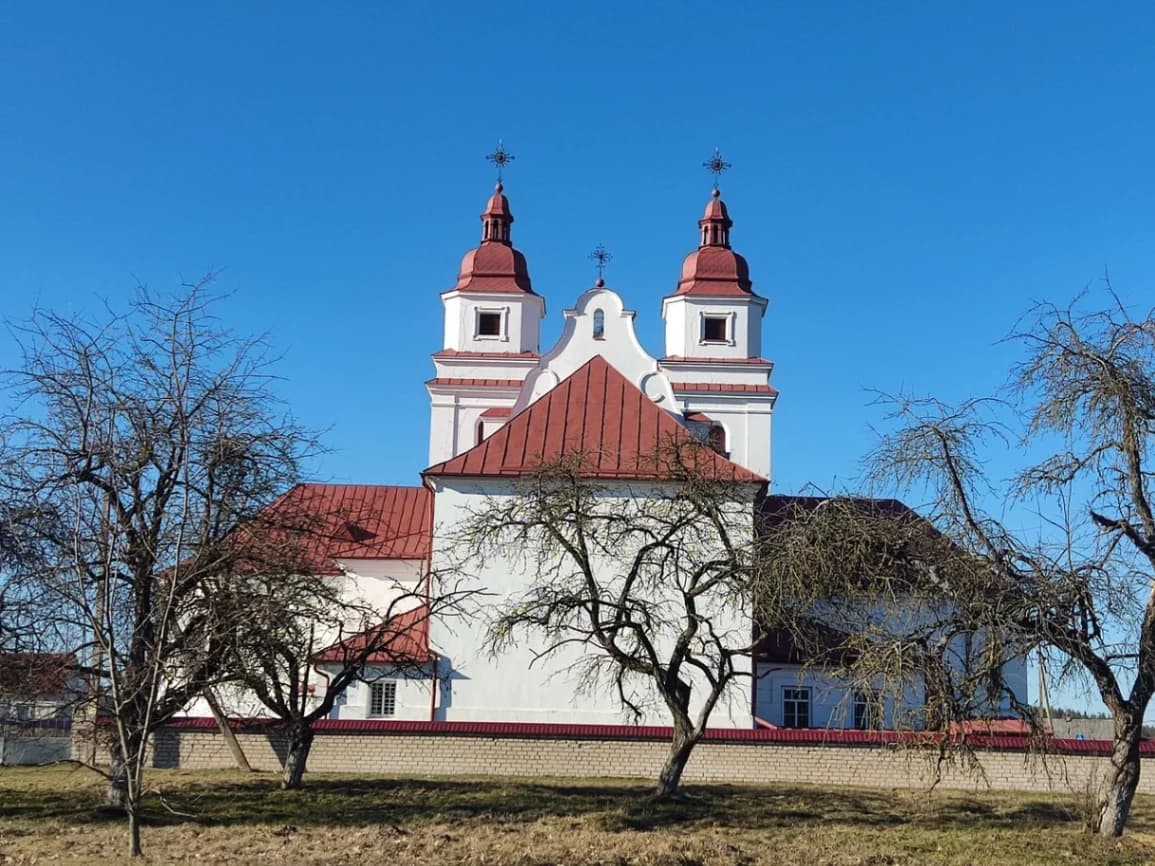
[599,415]
[35,674]
[720,388]
[459,353]
[404,639]
[683,359]
[354,521]
[477,383]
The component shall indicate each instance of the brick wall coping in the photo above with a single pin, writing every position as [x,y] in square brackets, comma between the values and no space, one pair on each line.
[530,730]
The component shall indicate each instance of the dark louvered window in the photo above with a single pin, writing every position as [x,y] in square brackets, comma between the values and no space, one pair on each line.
[714,329]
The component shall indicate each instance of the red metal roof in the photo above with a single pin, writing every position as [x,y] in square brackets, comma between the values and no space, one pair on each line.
[717,388]
[477,383]
[792,736]
[497,412]
[596,413]
[328,522]
[402,640]
[715,269]
[457,353]
[495,266]
[35,674]
[681,359]
[777,508]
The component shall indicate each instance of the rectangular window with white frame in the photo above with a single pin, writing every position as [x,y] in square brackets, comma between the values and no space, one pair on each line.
[717,329]
[796,707]
[867,711]
[382,699]
[491,324]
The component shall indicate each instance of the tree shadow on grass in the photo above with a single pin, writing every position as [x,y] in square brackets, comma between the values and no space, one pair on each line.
[229,800]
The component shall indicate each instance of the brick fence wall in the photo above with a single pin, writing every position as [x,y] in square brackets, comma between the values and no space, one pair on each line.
[630,753]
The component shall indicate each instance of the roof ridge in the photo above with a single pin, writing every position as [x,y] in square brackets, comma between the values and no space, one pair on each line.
[552,422]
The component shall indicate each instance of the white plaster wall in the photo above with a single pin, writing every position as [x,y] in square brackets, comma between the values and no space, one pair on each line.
[747,426]
[619,346]
[831,703]
[521,314]
[476,686]
[455,414]
[906,615]
[389,586]
[414,695]
[473,367]
[683,317]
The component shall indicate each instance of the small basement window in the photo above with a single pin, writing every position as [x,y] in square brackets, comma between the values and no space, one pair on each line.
[714,329]
[382,699]
[489,324]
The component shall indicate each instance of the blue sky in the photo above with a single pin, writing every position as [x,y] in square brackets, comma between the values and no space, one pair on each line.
[907,178]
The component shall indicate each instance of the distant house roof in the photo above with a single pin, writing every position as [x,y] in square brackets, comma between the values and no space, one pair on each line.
[329,522]
[404,639]
[598,415]
[992,727]
[35,674]
[776,509]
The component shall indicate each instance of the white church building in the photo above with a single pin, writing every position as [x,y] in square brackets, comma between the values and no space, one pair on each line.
[501,407]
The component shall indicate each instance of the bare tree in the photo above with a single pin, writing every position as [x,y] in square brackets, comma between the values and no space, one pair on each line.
[652,581]
[291,625]
[139,443]
[1067,566]
[873,595]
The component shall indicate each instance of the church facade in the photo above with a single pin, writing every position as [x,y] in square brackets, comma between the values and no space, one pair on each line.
[502,407]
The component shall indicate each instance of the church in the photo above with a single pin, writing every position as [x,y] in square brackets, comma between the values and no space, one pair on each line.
[500,408]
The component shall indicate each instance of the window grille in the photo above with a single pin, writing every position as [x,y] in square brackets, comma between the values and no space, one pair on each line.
[382,699]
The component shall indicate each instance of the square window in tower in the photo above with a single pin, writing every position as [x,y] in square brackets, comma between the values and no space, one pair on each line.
[488,324]
[714,329]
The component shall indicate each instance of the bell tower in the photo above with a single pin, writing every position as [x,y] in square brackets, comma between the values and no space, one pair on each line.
[714,341]
[491,335]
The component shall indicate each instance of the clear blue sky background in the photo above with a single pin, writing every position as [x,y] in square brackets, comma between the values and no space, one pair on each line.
[907,178]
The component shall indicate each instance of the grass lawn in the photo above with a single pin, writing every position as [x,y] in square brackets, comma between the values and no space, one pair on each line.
[53,816]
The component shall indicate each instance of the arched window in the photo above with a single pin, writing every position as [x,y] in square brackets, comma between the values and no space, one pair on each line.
[599,325]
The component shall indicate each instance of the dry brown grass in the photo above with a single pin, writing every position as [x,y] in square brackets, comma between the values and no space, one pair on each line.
[53,816]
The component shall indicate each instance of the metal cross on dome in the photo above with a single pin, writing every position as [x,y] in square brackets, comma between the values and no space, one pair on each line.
[500,158]
[716,165]
[600,256]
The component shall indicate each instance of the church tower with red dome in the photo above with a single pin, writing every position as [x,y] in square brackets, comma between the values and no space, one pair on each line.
[714,345]
[492,333]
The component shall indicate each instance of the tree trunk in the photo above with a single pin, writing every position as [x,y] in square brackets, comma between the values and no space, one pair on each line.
[227,732]
[124,784]
[134,849]
[116,794]
[1121,780]
[670,779]
[300,741]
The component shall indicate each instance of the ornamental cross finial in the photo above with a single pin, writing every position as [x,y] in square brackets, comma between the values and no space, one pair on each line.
[600,256]
[500,158]
[716,165]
